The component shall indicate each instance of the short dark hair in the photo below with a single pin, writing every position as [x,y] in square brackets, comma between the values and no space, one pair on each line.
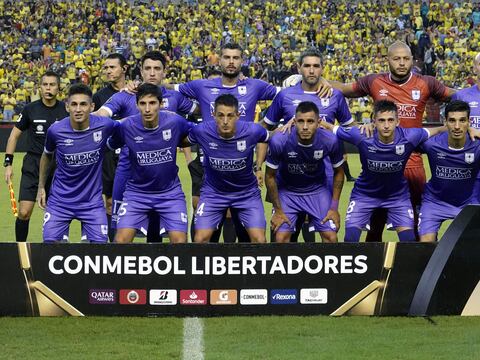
[52,74]
[149,89]
[155,56]
[457,106]
[80,89]
[227,100]
[214,72]
[307,106]
[310,52]
[121,59]
[231,46]
[383,106]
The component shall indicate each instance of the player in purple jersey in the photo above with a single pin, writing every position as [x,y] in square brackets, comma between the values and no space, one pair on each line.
[228,146]
[79,143]
[296,176]
[471,95]
[382,183]
[454,164]
[152,138]
[123,104]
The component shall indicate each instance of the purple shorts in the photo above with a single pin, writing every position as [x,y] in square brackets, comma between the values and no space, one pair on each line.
[56,223]
[360,208]
[170,207]
[212,206]
[316,205]
[433,213]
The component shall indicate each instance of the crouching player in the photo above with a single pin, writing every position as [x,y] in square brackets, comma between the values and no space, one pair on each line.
[382,183]
[228,146]
[296,177]
[454,164]
[152,138]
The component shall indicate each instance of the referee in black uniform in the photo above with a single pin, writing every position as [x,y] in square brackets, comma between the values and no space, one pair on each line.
[35,119]
[114,68]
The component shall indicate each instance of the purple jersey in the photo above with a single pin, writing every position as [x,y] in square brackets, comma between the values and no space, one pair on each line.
[228,162]
[382,164]
[287,100]
[453,170]
[301,168]
[471,95]
[152,152]
[79,155]
[247,91]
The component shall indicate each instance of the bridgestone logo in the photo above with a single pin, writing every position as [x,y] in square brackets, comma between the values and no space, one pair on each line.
[451,173]
[154,157]
[385,166]
[82,159]
[227,164]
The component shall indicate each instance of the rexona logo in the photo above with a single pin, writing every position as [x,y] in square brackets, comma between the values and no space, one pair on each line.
[193,297]
[163,297]
[102,296]
[223,297]
[313,296]
[133,297]
[253,297]
[283,296]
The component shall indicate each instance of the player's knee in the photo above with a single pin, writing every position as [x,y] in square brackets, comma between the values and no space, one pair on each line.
[431,237]
[202,237]
[282,237]
[257,236]
[123,237]
[329,237]
[25,214]
[177,237]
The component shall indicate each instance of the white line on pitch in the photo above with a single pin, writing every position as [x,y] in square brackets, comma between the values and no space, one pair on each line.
[193,339]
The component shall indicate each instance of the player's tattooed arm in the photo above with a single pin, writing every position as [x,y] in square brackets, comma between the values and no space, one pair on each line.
[278,217]
[45,162]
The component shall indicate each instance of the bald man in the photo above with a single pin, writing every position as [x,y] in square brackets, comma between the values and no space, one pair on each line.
[410,92]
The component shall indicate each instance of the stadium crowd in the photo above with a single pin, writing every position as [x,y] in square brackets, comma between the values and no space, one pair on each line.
[73,37]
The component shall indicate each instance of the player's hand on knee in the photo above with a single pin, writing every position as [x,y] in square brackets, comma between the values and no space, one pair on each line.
[278,219]
[8,174]
[367,129]
[333,215]
[41,198]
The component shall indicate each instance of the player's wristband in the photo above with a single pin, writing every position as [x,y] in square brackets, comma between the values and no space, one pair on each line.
[334,205]
[8,160]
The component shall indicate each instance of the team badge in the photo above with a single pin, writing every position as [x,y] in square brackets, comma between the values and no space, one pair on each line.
[40,128]
[167,134]
[97,136]
[325,101]
[399,149]
[469,158]
[318,154]
[241,145]
[242,90]
[416,95]
[165,103]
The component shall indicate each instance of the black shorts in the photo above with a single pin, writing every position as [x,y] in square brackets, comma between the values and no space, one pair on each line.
[110,161]
[196,173]
[29,180]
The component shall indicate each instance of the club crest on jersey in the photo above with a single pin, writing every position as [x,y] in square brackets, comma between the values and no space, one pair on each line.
[164,103]
[241,145]
[469,158]
[416,95]
[318,154]
[97,136]
[242,90]
[167,134]
[399,149]
[325,101]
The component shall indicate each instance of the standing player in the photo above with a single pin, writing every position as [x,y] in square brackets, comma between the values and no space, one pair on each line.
[410,92]
[454,163]
[123,104]
[297,179]
[382,183]
[78,142]
[115,67]
[228,146]
[471,95]
[35,118]
[152,138]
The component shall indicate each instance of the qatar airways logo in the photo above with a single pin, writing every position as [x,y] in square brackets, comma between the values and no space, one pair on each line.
[407,111]
[82,159]
[154,157]
[385,166]
[227,164]
[451,173]
[298,169]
